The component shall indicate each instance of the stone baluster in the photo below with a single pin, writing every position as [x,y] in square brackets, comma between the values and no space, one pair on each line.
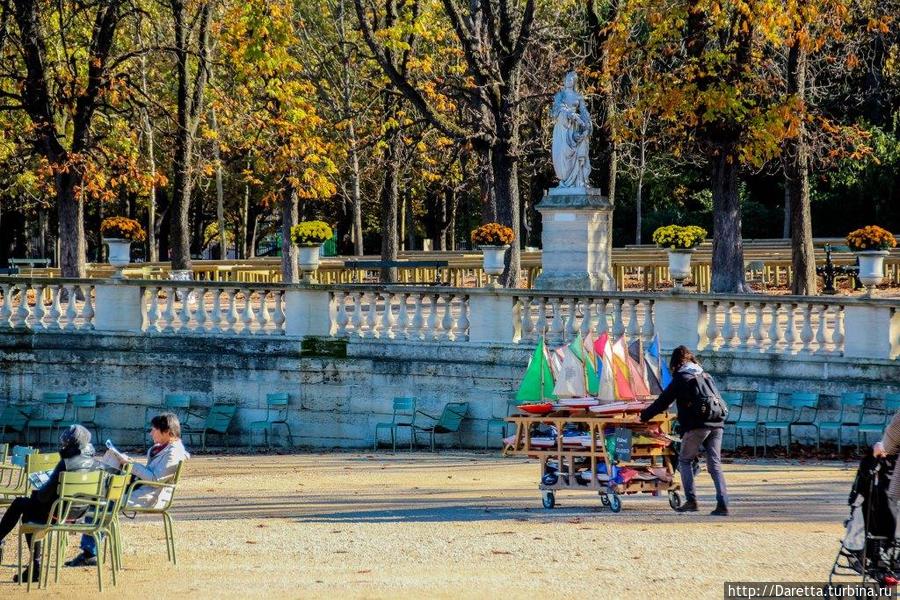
[153,309]
[556,325]
[87,311]
[71,307]
[342,319]
[279,318]
[602,318]
[806,330]
[6,306]
[263,317]
[712,325]
[728,331]
[247,315]
[202,318]
[23,312]
[759,332]
[39,311]
[618,327]
[447,320]
[649,328]
[790,330]
[55,309]
[540,324]
[462,325]
[433,330]
[387,317]
[744,333]
[356,320]
[774,328]
[822,311]
[571,328]
[185,314]
[418,319]
[371,315]
[168,315]
[634,326]
[403,318]
[233,314]
[837,335]
[216,315]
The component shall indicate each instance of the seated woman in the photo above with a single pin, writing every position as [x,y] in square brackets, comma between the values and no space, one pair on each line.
[162,462]
[76,454]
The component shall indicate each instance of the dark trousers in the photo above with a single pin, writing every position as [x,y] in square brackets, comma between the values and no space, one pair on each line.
[28,510]
[709,438]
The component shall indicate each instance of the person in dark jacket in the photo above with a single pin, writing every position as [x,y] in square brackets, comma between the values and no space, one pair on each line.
[76,454]
[694,432]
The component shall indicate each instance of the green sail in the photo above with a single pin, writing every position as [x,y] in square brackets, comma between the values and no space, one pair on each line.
[537,385]
[593,381]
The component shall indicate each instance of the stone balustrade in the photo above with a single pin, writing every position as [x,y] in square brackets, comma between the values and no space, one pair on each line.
[837,326]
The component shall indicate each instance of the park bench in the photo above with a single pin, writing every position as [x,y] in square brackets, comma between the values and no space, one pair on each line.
[27,266]
[378,265]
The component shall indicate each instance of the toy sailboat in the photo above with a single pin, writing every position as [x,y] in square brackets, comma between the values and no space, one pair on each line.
[536,389]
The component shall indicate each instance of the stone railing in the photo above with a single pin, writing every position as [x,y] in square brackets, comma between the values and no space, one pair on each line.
[840,326]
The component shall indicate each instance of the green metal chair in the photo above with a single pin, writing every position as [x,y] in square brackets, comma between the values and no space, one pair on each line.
[498,423]
[403,408]
[800,402]
[13,418]
[217,421]
[734,401]
[35,462]
[180,405]
[13,482]
[276,414]
[84,412]
[877,426]
[50,415]
[449,422]
[852,406]
[767,412]
[167,489]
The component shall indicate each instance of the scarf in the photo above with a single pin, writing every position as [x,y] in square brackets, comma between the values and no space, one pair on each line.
[156,449]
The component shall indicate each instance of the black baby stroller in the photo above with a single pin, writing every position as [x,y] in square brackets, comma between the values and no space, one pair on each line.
[869,549]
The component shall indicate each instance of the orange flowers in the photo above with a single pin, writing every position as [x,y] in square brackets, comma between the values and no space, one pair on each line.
[871,237]
[122,228]
[492,234]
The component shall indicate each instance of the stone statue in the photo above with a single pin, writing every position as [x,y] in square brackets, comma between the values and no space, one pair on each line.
[570,135]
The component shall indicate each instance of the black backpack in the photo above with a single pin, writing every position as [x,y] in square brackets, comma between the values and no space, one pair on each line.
[705,403]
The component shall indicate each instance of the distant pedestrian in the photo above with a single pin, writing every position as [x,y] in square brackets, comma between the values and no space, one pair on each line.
[701,419]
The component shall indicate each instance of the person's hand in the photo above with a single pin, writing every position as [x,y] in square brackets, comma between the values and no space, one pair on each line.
[878,450]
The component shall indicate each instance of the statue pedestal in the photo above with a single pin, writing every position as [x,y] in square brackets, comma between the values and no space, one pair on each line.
[577,240]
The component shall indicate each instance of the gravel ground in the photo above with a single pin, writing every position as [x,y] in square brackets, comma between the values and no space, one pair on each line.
[463,525]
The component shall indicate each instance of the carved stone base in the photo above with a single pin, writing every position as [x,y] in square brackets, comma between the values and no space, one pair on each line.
[577,241]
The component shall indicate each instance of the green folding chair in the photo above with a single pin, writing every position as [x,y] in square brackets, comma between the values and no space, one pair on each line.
[404,415]
[217,421]
[768,412]
[449,422]
[167,489]
[276,414]
[877,425]
[498,423]
[734,401]
[852,406]
[50,415]
[84,412]
[12,475]
[805,406]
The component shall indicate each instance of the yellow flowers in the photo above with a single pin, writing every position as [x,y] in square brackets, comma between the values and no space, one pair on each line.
[311,233]
[871,237]
[677,237]
[122,228]
[492,234]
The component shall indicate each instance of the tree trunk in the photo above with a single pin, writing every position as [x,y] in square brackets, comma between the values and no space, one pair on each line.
[220,193]
[70,212]
[357,230]
[179,233]
[488,189]
[803,257]
[289,218]
[786,225]
[390,195]
[409,222]
[728,247]
[642,166]
[506,186]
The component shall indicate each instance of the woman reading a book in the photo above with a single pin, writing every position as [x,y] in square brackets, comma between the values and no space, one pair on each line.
[163,459]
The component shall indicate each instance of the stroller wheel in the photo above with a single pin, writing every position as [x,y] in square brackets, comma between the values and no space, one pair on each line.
[674,500]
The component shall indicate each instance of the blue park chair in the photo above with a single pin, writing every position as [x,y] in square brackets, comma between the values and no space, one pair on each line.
[876,425]
[852,406]
[276,414]
[734,401]
[404,415]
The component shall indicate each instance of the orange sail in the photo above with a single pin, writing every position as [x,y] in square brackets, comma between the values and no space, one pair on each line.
[620,371]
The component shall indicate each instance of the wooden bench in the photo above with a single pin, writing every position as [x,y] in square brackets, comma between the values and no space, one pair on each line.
[378,265]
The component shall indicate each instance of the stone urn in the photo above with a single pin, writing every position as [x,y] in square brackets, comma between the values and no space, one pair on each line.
[680,266]
[119,251]
[308,261]
[494,261]
[871,268]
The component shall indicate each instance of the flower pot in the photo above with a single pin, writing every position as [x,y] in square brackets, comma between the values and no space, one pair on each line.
[494,261]
[871,268]
[680,266]
[308,261]
[119,254]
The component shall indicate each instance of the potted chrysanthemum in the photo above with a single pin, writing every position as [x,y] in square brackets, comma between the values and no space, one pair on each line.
[493,239]
[871,244]
[118,235]
[309,237]
[680,242]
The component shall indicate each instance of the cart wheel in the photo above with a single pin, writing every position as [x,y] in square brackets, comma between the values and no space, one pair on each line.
[549,500]
[615,504]
[604,498]
[674,500]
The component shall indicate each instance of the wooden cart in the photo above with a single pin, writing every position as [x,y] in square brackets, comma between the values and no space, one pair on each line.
[565,454]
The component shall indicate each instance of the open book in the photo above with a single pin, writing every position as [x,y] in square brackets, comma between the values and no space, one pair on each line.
[113,457]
